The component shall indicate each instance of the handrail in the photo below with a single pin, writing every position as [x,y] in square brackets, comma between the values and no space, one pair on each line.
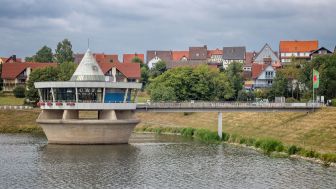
[179,105]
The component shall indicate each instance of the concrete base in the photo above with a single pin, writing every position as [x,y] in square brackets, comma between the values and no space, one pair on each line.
[65,127]
[88,131]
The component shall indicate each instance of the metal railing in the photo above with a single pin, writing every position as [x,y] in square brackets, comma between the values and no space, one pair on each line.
[201,105]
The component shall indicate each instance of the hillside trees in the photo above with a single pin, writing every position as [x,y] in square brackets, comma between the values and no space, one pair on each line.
[63,52]
[235,74]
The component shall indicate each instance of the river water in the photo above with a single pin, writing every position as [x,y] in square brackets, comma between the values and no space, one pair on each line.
[150,161]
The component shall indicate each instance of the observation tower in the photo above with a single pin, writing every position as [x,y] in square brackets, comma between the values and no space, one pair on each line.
[89,90]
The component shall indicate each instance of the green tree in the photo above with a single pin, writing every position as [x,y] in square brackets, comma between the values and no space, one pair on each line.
[44,55]
[136,59]
[159,68]
[279,86]
[63,52]
[235,75]
[163,93]
[45,74]
[65,70]
[29,59]
[19,91]
[244,95]
[144,76]
[200,83]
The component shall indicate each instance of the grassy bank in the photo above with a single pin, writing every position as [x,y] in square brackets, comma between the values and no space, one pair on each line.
[10,100]
[19,121]
[316,131]
[269,146]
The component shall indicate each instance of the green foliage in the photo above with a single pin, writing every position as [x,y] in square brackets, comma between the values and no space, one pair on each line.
[1,81]
[61,73]
[235,74]
[44,55]
[333,102]
[291,100]
[206,135]
[65,70]
[186,83]
[279,86]
[144,76]
[262,93]
[158,69]
[19,92]
[63,52]
[244,95]
[29,59]
[309,153]
[138,60]
[330,157]
[293,150]
[188,132]
[271,145]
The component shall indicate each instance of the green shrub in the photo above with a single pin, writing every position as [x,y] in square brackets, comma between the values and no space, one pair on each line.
[206,135]
[257,143]
[19,92]
[242,140]
[330,157]
[309,153]
[250,141]
[187,132]
[225,136]
[271,145]
[293,150]
[233,138]
[333,102]
[291,100]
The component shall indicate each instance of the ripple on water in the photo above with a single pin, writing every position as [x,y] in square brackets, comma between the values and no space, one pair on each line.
[150,161]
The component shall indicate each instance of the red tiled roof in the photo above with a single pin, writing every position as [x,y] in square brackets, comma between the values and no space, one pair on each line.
[130,70]
[257,69]
[298,46]
[12,70]
[249,58]
[4,59]
[215,52]
[178,55]
[127,58]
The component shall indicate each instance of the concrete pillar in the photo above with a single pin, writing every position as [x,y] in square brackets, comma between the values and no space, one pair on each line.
[70,114]
[53,95]
[124,114]
[76,94]
[220,128]
[107,114]
[125,96]
[51,114]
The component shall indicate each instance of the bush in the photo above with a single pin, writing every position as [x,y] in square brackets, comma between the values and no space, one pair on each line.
[309,153]
[270,145]
[187,132]
[333,102]
[19,92]
[293,150]
[291,100]
[206,135]
[328,157]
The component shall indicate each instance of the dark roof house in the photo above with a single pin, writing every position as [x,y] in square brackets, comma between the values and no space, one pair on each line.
[198,53]
[163,55]
[234,53]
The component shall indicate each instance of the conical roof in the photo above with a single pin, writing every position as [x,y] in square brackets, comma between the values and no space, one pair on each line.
[88,69]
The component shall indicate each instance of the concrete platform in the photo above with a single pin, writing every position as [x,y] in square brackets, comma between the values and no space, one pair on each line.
[75,131]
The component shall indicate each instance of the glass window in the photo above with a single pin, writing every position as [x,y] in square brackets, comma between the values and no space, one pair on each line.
[90,94]
[46,94]
[65,94]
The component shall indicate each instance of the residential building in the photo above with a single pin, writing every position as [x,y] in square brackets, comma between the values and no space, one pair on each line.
[121,72]
[17,73]
[100,57]
[11,59]
[319,52]
[300,50]
[128,58]
[180,56]
[233,54]
[215,56]
[198,53]
[263,75]
[266,56]
[247,67]
[154,57]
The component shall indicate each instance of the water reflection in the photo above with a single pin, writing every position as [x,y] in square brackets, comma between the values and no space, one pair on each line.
[150,161]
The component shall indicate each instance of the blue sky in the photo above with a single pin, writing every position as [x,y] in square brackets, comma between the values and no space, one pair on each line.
[128,26]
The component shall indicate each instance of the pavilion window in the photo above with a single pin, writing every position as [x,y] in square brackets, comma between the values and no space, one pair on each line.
[65,94]
[46,94]
[90,95]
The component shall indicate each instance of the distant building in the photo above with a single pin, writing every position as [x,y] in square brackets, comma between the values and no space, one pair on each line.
[319,52]
[266,56]
[11,59]
[180,55]
[300,50]
[128,58]
[154,57]
[121,72]
[263,75]
[17,73]
[233,54]
[198,53]
[215,56]
[100,57]
[247,67]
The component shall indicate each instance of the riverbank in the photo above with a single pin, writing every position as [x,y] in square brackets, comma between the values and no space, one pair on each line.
[315,133]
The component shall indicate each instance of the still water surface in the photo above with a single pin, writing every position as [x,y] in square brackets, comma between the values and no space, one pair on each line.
[26,161]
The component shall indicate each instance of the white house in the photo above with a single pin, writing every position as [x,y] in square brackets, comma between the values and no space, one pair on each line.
[263,75]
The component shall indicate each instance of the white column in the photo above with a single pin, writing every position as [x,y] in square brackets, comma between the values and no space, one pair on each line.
[125,96]
[76,94]
[104,90]
[52,94]
[220,128]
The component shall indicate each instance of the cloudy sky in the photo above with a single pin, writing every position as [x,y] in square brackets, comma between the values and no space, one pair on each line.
[128,26]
